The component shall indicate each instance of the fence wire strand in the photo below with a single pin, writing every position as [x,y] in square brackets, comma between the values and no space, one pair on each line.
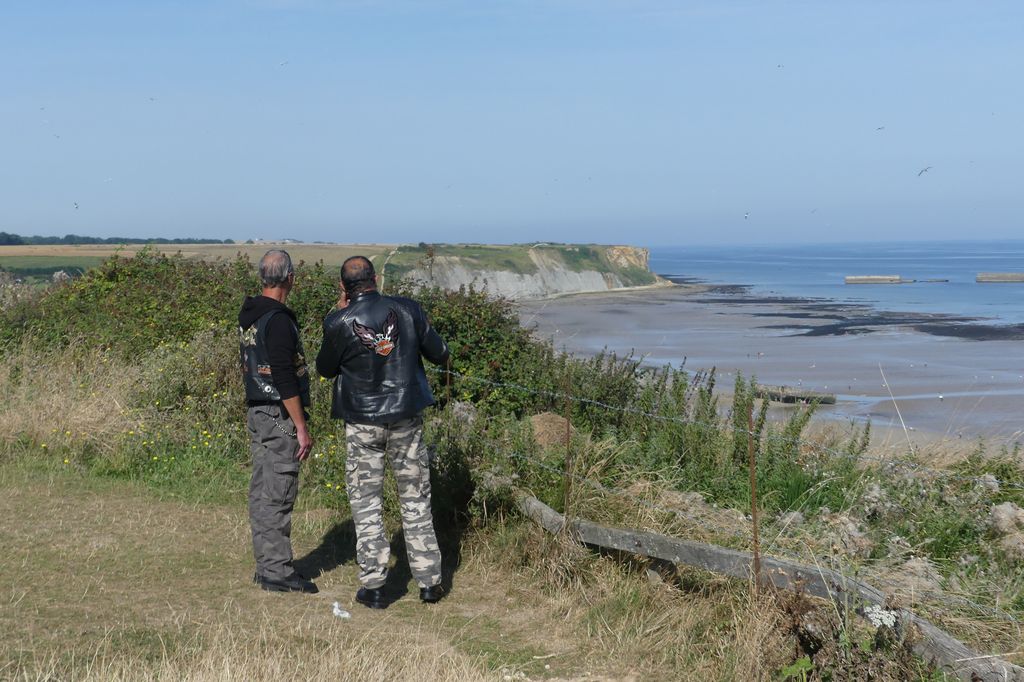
[777,552]
[731,532]
[777,438]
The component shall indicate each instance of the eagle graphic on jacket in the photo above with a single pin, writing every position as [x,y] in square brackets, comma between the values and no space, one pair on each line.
[380,342]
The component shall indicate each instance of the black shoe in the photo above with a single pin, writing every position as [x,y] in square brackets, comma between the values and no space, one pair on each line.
[372,597]
[256,577]
[432,594]
[292,583]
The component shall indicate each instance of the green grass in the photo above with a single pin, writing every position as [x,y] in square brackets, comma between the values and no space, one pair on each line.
[24,266]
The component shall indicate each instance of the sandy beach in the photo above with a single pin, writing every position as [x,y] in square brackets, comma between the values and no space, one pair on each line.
[953,378]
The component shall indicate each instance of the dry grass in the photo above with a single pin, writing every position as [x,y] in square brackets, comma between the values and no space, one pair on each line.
[107,582]
[77,391]
[694,627]
[305,651]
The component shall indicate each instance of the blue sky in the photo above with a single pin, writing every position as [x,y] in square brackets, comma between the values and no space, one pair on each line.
[618,121]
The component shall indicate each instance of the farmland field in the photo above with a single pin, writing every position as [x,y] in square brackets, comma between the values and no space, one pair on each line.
[45,264]
[88,255]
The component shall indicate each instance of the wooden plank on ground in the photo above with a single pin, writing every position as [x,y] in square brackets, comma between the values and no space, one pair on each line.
[931,643]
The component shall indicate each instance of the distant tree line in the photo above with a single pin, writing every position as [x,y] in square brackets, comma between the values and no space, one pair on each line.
[7,239]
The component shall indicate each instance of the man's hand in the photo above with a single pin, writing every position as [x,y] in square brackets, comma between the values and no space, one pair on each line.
[305,443]
[342,299]
[293,406]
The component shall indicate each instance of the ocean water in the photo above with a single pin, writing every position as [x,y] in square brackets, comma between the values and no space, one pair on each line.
[817,271]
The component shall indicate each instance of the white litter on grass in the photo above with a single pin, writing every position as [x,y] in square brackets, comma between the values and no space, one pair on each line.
[340,612]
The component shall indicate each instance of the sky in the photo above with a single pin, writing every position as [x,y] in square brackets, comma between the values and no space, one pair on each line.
[647,122]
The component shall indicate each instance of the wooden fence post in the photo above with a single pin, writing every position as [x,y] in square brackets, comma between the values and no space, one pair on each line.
[752,461]
[568,474]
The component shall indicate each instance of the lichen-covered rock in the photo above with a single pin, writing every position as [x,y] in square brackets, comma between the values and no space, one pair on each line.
[989,482]
[846,536]
[1006,518]
[464,412]
[549,429]
[792,519]
[1013,545]
[915,576]
[876,502]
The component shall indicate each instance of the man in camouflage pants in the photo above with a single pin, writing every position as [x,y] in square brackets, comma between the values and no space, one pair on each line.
[373,346]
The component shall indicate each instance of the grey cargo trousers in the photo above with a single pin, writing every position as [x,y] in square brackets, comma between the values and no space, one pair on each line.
[273,489]
[402,442]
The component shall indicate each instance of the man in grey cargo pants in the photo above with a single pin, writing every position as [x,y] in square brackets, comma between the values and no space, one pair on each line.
[373,346]
[277,391]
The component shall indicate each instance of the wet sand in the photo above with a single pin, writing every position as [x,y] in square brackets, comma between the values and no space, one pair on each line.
[952,377]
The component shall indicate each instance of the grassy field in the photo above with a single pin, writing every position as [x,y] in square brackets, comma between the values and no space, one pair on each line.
[112,580]
[44,265]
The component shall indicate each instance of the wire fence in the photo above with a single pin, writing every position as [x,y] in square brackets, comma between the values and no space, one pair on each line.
[892,462]
[708,522]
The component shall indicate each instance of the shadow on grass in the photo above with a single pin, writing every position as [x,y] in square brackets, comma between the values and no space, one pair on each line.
[337,547]
[399,576]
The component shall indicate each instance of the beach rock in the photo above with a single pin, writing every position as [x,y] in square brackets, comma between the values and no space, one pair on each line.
[549,429]
[846,536]
[989,482]
[792,519]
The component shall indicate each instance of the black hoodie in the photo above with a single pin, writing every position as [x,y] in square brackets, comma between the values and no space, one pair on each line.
[282,340]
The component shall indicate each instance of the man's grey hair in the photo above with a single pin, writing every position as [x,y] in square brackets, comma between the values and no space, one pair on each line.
[275,267]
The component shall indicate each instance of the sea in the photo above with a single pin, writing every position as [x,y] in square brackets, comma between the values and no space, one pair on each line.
[817,271]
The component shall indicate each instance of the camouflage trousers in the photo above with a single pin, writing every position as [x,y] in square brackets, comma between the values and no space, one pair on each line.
[402,443]
[273,488]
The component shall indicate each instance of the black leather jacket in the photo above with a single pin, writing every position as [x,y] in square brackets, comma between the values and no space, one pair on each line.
[372,348]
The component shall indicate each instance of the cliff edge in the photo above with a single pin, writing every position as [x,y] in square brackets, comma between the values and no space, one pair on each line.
[525,271]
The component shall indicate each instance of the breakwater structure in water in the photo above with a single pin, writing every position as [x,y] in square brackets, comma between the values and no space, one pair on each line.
[996,277]
[875,279]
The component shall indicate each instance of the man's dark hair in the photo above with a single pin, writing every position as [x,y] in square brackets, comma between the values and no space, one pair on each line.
[358,275]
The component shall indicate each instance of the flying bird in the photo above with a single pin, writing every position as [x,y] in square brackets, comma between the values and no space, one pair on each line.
[924,170]
[746,215]
[880,128]
[76,205]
